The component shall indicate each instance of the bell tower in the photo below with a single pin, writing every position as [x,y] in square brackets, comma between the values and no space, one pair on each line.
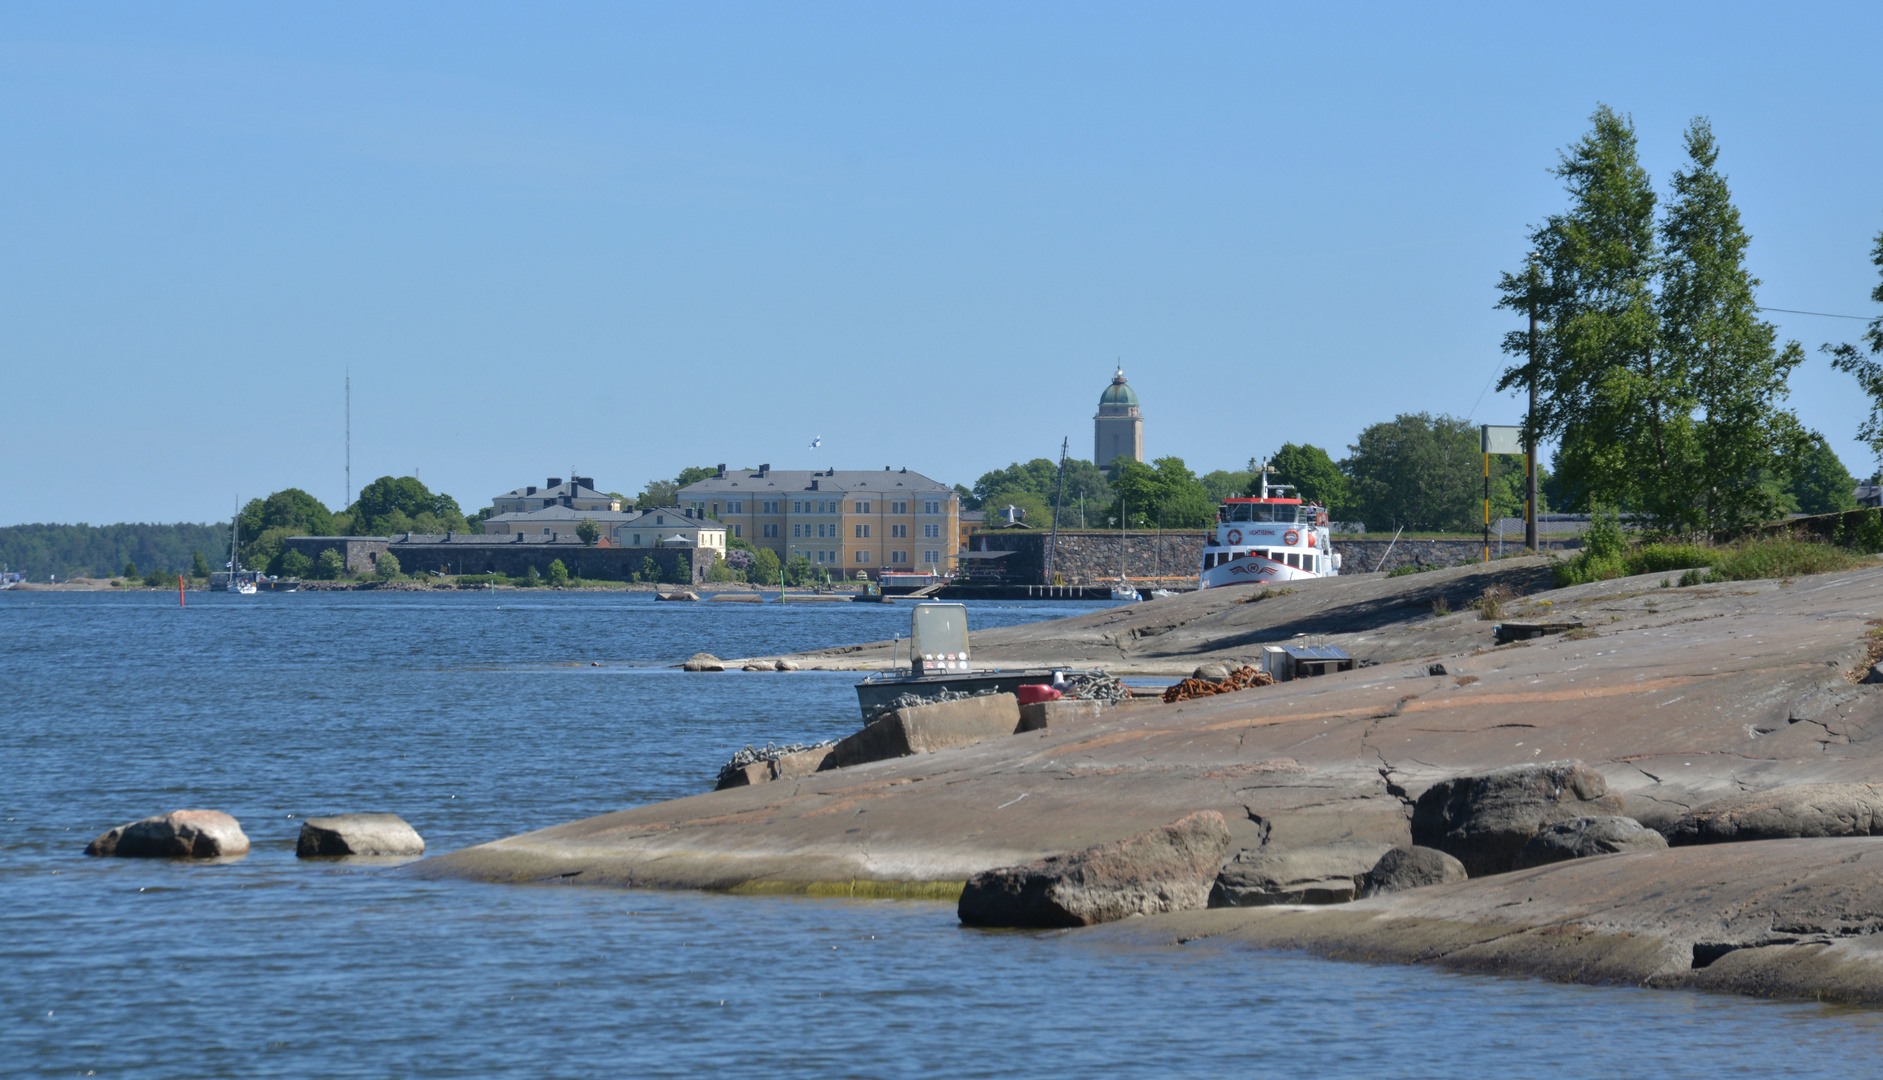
[1118,429]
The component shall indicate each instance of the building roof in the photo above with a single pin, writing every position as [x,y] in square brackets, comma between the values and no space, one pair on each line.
[759,483]
[1118,393]
[550,514]
[666,517]
[576,488]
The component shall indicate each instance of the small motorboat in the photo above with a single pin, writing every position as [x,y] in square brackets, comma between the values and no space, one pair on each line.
[1121,591]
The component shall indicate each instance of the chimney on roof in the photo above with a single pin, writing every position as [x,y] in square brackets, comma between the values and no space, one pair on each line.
[554,481]
[585,481]
[531,490]
[722,470]
[905,468]
[885,468]
[765,469]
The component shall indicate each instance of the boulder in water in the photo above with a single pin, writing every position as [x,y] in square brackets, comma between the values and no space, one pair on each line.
[180,834]
[358,834]
[703,661]
[1325,874]
[1169,868]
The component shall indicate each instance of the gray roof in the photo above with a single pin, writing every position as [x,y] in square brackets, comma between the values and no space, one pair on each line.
[674,518]
[839,481]
[549,514]
[567,487]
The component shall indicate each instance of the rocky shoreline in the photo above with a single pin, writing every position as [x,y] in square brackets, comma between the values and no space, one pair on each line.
[1691,713]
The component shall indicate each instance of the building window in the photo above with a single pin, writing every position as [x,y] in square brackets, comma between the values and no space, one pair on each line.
[768,507]
[797,507]
[546,528]
[863,532]
[863,508]
[738,530]
[863,556]
[931,532]
[931,556]
[931,508]
[898,558]
[797,530]
[898,507]
[771,532]
[898,532]
[736,507]
[637,539]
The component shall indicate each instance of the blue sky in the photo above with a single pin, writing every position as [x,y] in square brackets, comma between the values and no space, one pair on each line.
[618,239]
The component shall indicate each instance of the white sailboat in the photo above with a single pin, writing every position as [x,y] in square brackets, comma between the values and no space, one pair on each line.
[236,584]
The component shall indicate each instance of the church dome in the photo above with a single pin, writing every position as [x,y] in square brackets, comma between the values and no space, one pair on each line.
[1118,393]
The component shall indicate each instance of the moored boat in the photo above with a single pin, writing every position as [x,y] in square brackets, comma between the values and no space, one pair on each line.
[1273,536]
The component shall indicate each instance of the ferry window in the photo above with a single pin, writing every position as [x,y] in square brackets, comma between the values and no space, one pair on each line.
[1294,560]
[1239,512]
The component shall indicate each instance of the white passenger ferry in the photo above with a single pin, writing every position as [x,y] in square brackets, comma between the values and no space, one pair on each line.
[1274,537]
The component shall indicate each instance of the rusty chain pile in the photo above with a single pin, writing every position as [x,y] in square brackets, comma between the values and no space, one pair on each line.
[1240,679]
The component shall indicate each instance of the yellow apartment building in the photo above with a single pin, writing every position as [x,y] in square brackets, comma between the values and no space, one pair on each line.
[853,521]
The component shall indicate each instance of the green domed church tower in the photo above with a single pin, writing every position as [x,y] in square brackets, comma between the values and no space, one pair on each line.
[1118,429]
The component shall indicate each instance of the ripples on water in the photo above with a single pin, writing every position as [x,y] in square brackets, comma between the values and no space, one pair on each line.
[476,718]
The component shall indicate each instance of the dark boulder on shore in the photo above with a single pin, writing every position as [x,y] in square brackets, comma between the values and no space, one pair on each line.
[1484,819]
[1325,874]
[1169,868]
[1802,810]
[1411,868]
[180,834]
[1580,838]
[358,834]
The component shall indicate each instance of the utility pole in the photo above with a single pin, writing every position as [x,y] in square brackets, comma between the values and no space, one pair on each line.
[1529,428]
[348,501]
[1059,499]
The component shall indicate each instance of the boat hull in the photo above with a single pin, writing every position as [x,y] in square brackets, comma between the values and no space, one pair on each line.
[873,693]
[1252,570]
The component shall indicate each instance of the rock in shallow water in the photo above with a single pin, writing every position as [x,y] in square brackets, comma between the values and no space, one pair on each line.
[1411,868]
[1165,869]
[180,834]
[1802,810]
[1580,838]
[703,661]
[1327,874]
[358,834]
[1484,819]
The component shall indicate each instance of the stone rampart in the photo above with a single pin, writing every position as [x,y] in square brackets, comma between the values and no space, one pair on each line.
[1086,557]
[512,556]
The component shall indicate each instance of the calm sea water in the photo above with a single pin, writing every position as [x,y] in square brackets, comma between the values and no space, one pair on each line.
[475,718]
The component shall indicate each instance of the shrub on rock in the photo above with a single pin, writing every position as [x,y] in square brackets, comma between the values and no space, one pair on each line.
[358,834]
[1328,874]
[1580,838]
[1411,868]
[180,834]
[1484,819]
[1781,813]
[1169,868]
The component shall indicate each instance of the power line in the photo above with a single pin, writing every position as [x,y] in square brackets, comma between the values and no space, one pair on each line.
[1824,314]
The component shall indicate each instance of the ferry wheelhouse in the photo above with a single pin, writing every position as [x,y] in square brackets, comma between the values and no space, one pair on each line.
[1272,537]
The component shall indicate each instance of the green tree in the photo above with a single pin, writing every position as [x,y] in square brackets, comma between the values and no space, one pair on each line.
[682,570]
[650,570]
[764,568]
[1725,433]
[386,567]
[199,566]
[1038,479]
[1868,373]
[1312,472]
[588,531]
[330,565]
[558,574]
[1598,389]
[1033,510]
[1223,484]
[295,564]
[391,505]
[966,494]
[130,569]
[1424,473]
[1817,481]
[1163,494]
[157,579]
[719,572]
[799,571]
[666,492]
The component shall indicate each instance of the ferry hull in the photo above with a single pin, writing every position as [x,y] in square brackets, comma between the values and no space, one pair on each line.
[1252,570]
